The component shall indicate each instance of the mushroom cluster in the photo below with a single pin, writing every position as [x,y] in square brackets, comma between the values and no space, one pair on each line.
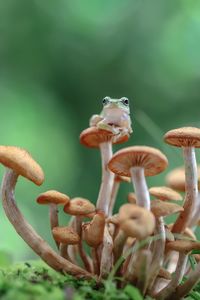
[135,244]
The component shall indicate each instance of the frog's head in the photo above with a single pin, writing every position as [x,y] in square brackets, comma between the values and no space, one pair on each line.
[122,103]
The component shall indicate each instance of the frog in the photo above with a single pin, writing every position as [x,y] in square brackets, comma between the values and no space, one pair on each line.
[114,117]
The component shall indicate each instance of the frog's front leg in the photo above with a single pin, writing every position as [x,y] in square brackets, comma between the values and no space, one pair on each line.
[104,125]
[94,120]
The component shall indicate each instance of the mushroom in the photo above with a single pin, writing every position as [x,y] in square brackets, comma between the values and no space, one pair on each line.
[137,162]
[183,247]
[160,209]
[92,233]
[65,236]
[53,199]
[117,181]
[165,193]
[132,198]
[135,222]
[19,162]
[80,207]
[98,138]
[188,138]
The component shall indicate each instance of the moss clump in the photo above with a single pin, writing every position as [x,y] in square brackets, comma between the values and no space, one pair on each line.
[35,281]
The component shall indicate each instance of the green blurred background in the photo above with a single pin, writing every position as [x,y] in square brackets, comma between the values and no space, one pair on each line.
[58,59]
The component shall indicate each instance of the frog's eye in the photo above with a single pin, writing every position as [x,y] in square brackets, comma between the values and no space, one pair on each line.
[105,100]
[125,101]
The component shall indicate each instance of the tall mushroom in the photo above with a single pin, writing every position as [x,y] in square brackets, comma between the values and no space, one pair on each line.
[53,199]
[137,162]
[188,138]
[19,162]
[98,138]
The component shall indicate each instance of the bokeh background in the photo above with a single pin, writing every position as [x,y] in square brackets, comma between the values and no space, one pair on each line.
[58,59]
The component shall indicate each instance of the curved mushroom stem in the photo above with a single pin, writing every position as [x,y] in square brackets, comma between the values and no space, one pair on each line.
[170,288]
[107,255]
[64,251]
[186,287]
[82,253]
[196,213]
[115,189]
[140,187]
[158,252]
[29,235]
[53,217]
[104,196]
[191,188]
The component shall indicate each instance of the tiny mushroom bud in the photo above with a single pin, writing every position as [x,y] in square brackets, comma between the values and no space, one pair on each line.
[19,162]
[53,198]
[137,162]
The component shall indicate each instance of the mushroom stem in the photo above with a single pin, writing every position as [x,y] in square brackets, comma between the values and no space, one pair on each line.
[104,196]
[158,252]
[140,187]
[115,189]
[191,188]
[29,235]
[107,254]
[179,272]
[142,266]
[196,213]
[119,245]
[82,253]
[95,259]
[186,287]
[64,251]
[53,217]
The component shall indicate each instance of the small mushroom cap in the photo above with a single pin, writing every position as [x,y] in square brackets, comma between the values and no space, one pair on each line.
[113,219]
[79,207]
[132,198]
[65,235]
[52,196]
[93,231]
[92,137]
[20,161]
[119,178]
[136,221]
[152,160]
[183,245]
[183,137]
[165,193]
[163,209]
[176,178]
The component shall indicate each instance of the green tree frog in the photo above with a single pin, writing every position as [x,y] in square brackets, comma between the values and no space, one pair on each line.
[115,116]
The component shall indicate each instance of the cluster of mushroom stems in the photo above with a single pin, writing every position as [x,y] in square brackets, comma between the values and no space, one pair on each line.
[136,243]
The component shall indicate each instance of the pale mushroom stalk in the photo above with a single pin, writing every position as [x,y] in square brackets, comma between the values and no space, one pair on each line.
[53,217]
[186,287]
[29,235]
[191,187]
[158,251]
[82,253]
[104,196]
[114,193]
[142,267]
[119,245]
[179,272]
[196,213]
[140,187]
[107,254]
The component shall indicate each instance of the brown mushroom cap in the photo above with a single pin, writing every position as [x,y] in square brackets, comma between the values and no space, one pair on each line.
[52,196]
[113,219]
[136,221]
[183,137]
[92,137]
[93,231]
[152,160]
[165,193]
[183,245]
[176,178]
[163,209]
[79,207]
[20,161]
[65,235]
